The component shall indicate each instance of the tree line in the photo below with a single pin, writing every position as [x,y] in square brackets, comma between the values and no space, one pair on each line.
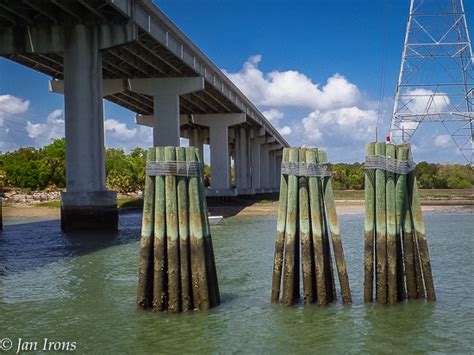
[41,168]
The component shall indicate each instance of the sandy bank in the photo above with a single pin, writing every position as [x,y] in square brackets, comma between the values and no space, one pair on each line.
[19,213]
[342,207]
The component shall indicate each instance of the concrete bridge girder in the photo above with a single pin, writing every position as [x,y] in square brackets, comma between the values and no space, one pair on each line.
[219,138]
[109,86]
[166,92]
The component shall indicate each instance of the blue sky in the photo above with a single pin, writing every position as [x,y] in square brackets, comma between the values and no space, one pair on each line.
[305,64]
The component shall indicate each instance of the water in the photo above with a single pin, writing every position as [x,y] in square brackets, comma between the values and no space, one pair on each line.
[82,288]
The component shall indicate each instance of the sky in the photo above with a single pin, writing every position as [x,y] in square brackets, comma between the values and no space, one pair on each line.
[314,68]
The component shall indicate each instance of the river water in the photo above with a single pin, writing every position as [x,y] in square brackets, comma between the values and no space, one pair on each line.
[81,288]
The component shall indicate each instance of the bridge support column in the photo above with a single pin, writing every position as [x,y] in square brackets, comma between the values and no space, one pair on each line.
[273,173]
[196,140]
[267,164]
[86,204]
[166,92]
[278,158]
[220,158]
[271,170]
[219,146]
[264,164]
[257,139]
[242,162]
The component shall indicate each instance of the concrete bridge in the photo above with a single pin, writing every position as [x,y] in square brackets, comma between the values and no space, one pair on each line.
[130,53]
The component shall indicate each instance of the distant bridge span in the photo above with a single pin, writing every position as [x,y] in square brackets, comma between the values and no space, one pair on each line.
[129,52]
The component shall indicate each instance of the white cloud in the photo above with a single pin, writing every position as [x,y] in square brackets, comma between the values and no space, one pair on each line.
[424,101]
[421,102]
[12,123]
[120,135]
[443,141]
[10,106]
[293,89]
[274,116]
[340,127]
[53,117]
[52,129]
[119,130]
[285,131]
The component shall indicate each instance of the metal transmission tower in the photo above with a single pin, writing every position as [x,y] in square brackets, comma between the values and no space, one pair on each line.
[436,79]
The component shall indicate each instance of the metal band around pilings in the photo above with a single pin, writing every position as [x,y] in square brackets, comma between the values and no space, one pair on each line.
[174,168]
[400,167]
[305,169]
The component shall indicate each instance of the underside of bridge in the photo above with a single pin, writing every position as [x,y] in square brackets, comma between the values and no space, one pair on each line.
[130,53]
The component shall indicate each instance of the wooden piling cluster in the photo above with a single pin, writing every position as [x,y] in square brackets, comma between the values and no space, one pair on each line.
[177,270]
[306,222]
[396,250]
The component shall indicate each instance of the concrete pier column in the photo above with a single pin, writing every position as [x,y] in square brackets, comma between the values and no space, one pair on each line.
[278,158]
[271,170]
[269,177]
[219,148]
[256,142]
[196,140]
[264,166]
[242,162]
[86,204]
[220,157]
[166,92]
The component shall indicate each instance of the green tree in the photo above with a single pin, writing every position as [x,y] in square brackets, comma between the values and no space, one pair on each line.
[26,167]
[54,156]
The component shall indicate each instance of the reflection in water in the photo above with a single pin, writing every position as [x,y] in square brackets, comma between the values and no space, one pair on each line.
[82,288]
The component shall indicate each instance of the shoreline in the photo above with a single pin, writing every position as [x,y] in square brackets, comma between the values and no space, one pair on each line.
[13,214]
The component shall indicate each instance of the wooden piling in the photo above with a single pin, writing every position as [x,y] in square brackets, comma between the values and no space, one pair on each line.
[330,282]
[390,199]
[304,198]
[333,224]
[381,229]
[198,263]
[290,270]
[369,226]
[177,271]
[172,242]
[420,285]
[183,231]
[409,254]
[146,244]
[400,193]
[403,266]
[419,227]
[305,235]
[280,237]
[214,296]
[317,230]
[160,265]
